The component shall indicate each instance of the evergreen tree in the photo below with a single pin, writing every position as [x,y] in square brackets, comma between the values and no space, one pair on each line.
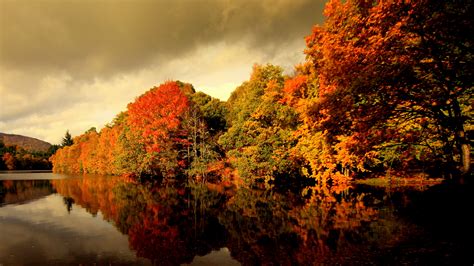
[67,140]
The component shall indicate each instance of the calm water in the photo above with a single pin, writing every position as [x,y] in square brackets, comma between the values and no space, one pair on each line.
[47,218]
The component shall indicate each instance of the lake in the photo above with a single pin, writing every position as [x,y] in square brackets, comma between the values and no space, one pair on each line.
[48,218]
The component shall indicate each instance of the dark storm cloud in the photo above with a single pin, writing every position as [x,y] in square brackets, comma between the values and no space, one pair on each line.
[73,64]
[97,38]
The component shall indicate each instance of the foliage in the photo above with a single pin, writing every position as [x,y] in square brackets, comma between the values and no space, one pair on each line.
[393,77]
[260,132]
[164,134]
[16,158]
[386,86]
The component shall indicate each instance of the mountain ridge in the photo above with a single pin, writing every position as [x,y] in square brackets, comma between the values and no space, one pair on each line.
[25,142]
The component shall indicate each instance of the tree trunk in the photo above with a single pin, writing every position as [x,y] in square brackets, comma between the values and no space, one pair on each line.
[465,153]
[461,140]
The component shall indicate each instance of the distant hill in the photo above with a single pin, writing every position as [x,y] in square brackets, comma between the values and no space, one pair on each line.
[27,143]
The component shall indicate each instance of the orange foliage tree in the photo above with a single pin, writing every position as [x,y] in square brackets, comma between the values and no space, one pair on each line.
[385,82]
[9,161]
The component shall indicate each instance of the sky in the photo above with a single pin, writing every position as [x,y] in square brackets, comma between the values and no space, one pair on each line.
[75,64]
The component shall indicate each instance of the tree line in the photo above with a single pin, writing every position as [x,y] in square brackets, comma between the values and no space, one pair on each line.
[386,87]
[17,158]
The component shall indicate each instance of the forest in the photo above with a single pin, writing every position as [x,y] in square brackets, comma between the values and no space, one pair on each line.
[385,90]
[13,157]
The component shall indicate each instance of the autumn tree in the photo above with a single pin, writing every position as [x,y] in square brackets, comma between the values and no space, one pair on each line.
[3,150]
[88,156]
[131,156]
[108,148]
[392,77]
[157,117]
[85,154]
[9,161]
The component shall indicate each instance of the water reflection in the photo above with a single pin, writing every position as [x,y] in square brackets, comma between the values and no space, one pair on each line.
[116,220]
[30,175]
[173,225]
[18,192]
[43,232]
[164,224]
[267,227]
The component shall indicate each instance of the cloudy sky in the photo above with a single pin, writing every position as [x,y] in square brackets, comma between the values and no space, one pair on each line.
[74,64]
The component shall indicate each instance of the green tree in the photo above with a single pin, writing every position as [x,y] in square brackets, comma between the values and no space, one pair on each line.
[205,122]
[52,150]
[212,111]
[260,136]
[67,140]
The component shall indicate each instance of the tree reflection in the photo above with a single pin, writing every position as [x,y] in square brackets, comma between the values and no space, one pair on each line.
[167,225]
[171,225]
[21,191]
[267,227]
[68,201]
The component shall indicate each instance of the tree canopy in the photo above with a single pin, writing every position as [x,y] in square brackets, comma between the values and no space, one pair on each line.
[386,85]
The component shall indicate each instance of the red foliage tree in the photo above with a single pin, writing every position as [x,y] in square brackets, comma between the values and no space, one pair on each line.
[157,114]
[157,117]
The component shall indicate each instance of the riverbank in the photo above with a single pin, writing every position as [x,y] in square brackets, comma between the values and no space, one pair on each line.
[420,182]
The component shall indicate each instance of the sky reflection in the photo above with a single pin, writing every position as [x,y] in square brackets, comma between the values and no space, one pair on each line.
[19,175]
[47,232]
